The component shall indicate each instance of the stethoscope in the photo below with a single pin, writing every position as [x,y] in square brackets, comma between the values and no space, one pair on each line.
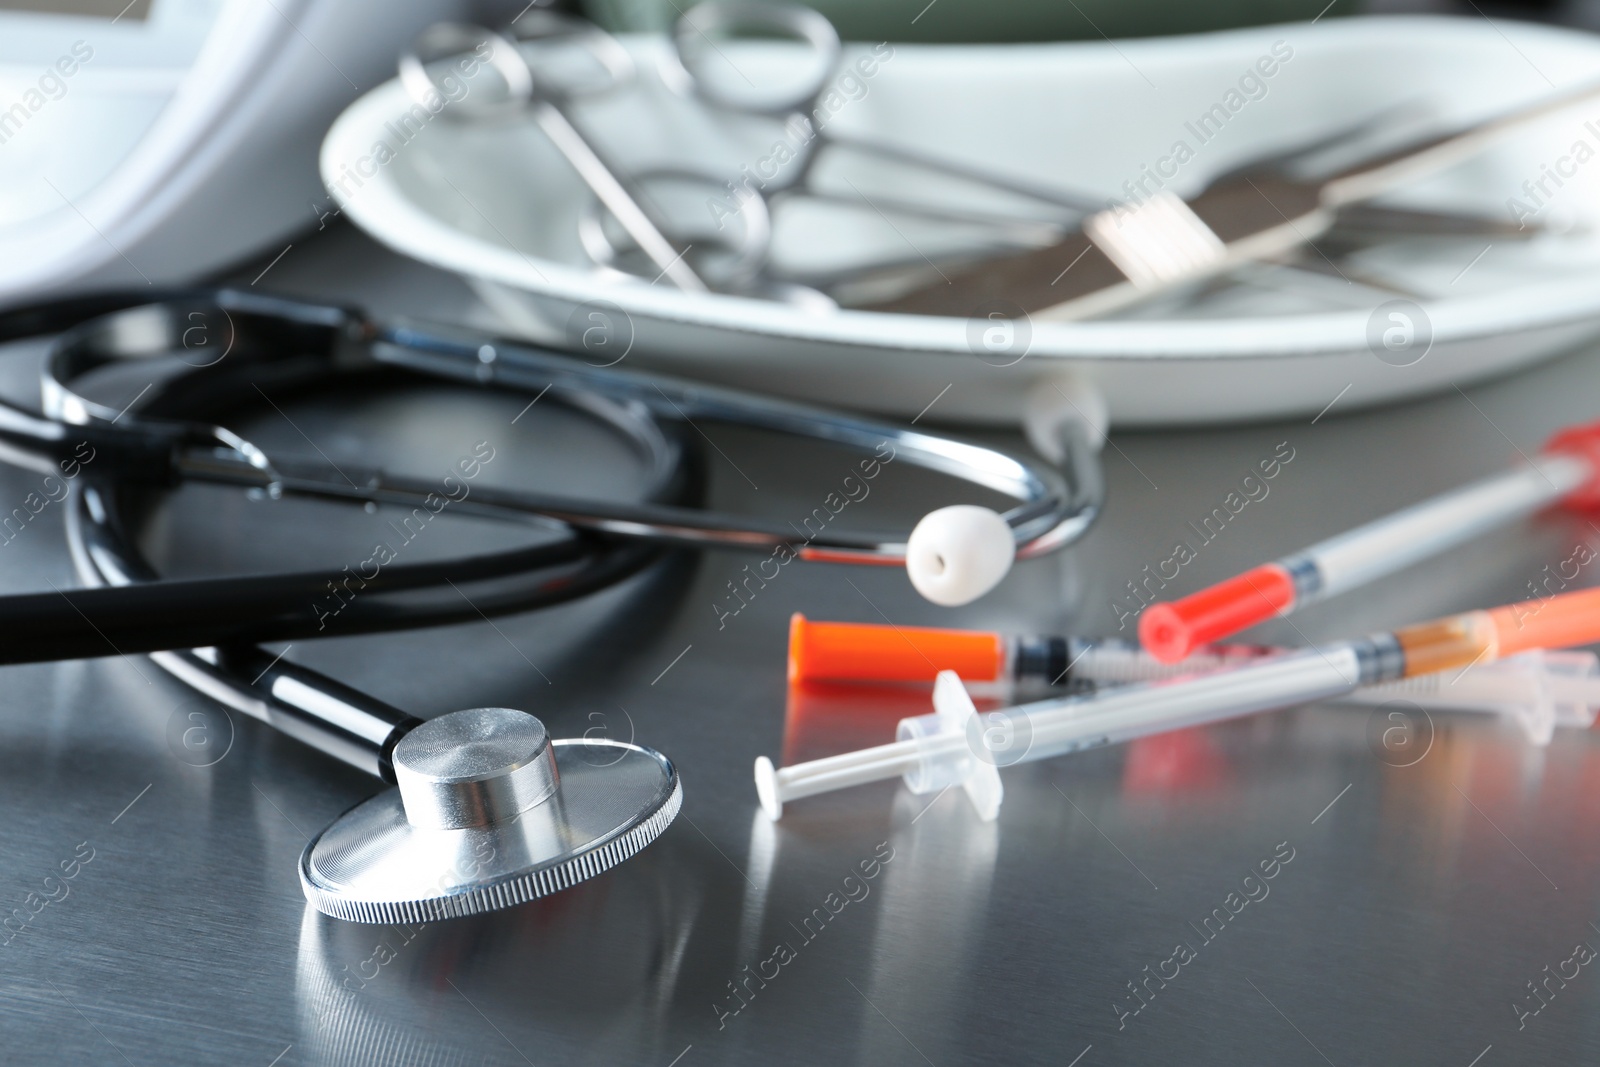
[488,811]
[545,62]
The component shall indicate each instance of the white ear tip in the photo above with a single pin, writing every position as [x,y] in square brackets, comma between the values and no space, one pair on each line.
[957,554]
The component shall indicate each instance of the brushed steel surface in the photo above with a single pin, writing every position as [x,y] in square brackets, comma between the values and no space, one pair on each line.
[148,846]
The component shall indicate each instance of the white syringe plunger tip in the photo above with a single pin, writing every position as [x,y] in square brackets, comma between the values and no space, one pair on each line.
[767,788]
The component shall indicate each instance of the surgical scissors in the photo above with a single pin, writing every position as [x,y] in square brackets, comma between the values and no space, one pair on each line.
[791,69]
[526,57]
[689,68]
[526,93]
[695,66]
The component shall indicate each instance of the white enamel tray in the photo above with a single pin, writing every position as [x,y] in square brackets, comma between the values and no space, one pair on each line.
[495,204]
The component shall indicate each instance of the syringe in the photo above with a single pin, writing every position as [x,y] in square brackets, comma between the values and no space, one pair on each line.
[957,745]
[1539,689]
[1566,471]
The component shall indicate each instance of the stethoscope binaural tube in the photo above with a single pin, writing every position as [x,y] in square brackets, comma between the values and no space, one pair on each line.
[961,550]
[288,341]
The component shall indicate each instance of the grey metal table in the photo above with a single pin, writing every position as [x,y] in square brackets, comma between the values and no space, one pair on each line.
[1117,913]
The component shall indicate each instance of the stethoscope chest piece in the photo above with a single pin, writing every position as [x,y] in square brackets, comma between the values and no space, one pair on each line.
[489,812]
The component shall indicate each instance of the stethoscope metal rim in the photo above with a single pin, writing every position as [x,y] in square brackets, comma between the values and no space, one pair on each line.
[337,876]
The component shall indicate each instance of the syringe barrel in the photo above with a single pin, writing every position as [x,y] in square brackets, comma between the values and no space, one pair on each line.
[1057,727]
[940,763]
[1397,541]
[1113,661]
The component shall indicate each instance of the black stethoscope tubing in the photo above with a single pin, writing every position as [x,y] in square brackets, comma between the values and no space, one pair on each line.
[154,444]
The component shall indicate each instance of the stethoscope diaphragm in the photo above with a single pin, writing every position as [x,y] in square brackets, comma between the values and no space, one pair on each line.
[489,813]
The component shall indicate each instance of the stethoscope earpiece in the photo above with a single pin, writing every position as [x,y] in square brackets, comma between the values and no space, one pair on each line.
[957,554]
[489,812]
